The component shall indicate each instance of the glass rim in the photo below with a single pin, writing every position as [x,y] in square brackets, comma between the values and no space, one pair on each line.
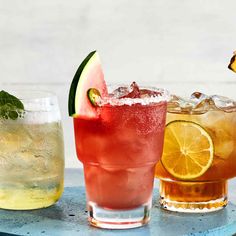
[163,96]
[141,85]
[191,106]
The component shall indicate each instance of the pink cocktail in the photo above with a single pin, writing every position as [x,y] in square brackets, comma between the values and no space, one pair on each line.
[119,150]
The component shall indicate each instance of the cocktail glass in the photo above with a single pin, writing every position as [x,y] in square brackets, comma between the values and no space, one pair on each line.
[31,151]
[119,150]
[215,117]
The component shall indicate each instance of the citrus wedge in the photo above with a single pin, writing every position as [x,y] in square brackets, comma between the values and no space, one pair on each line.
[188,150]
[232,64]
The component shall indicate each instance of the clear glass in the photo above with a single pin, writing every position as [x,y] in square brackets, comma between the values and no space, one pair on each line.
[208,192]
[119,150]
[32,154]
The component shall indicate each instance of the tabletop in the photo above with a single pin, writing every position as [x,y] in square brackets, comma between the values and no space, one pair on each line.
[69,217]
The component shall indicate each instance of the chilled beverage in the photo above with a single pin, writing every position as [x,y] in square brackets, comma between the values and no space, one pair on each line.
[199,153]
[119,138]
[31,155]
[119,150]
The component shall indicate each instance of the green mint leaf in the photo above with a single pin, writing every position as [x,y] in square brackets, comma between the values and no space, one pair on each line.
[10,106]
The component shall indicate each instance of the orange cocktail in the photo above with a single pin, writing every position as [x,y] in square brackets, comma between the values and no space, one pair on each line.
[199,153]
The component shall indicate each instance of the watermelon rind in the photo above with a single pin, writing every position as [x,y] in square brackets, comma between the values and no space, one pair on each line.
[88,75]
[75,81]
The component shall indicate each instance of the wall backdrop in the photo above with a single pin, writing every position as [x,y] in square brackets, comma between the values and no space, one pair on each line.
[181,45]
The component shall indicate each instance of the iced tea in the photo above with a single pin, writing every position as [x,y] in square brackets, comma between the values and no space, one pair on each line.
[216,115]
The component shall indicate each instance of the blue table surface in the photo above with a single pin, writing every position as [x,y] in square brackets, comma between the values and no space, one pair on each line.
[69,217]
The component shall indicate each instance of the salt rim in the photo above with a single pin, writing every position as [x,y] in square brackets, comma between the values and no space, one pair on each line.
[164,96]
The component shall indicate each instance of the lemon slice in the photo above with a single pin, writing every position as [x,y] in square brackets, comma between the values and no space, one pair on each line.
[188,150]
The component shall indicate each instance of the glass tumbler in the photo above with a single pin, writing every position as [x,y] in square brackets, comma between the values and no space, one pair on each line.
[119,150]
[31,150]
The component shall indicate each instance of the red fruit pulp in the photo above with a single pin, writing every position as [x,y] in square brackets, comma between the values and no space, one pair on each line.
[119,151]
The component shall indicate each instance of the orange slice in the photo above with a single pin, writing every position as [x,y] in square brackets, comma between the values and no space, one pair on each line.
[188,150]
[232,64]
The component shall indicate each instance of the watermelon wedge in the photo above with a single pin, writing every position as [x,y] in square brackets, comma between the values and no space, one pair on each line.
[89,75]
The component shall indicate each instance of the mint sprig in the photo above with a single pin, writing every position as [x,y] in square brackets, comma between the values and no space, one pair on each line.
[10,106]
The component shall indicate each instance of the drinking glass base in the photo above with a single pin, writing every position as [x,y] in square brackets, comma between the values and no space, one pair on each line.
[193,197]
[29,198]
[193,207]
[118,219]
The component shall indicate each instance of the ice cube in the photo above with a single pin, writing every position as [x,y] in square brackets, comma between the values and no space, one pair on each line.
[224,103]
[219,125]
[198,96]
[134,91]
[224,146]
[186,105]
[23,159]
[223,140]
[131,91]
[4,163]
[174,104]
[203,106]
[202,101]
[120,92]
[146,93]
[13,139]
